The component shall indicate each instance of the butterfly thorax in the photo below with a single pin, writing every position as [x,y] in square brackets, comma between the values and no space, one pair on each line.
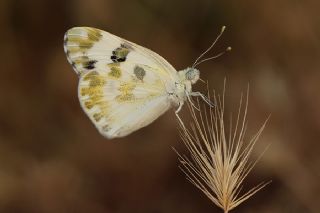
[183,86]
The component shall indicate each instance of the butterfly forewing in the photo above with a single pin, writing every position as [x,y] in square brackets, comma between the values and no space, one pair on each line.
[86,47]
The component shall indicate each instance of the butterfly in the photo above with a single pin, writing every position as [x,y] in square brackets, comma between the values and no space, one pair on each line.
[123,86]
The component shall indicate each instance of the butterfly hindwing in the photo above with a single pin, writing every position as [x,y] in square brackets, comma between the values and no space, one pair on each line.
[118,102]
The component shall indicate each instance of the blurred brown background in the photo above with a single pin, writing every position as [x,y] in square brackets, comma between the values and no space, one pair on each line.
[52,159]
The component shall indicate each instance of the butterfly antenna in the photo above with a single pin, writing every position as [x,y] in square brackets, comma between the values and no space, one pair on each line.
[214,42]
[213,57]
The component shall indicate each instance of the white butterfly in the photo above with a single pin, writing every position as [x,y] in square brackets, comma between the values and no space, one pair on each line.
[123,86]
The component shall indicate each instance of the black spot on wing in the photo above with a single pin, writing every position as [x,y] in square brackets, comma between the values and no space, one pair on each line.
[114,58]
[121,59]
[120,53]
[90,64]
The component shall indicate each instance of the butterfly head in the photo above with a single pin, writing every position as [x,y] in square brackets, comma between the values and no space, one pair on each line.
[192,74]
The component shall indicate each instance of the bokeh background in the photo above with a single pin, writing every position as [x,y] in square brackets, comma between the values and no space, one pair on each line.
[52,159]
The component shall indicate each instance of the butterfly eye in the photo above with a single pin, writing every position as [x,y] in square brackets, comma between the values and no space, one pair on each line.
[192,74]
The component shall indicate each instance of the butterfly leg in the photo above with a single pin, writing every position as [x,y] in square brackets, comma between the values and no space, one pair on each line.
[178,117]
[206,99]
[192,104]
[179,108]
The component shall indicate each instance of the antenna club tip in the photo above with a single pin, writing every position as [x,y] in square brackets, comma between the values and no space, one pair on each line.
[223,28]
[228,49]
